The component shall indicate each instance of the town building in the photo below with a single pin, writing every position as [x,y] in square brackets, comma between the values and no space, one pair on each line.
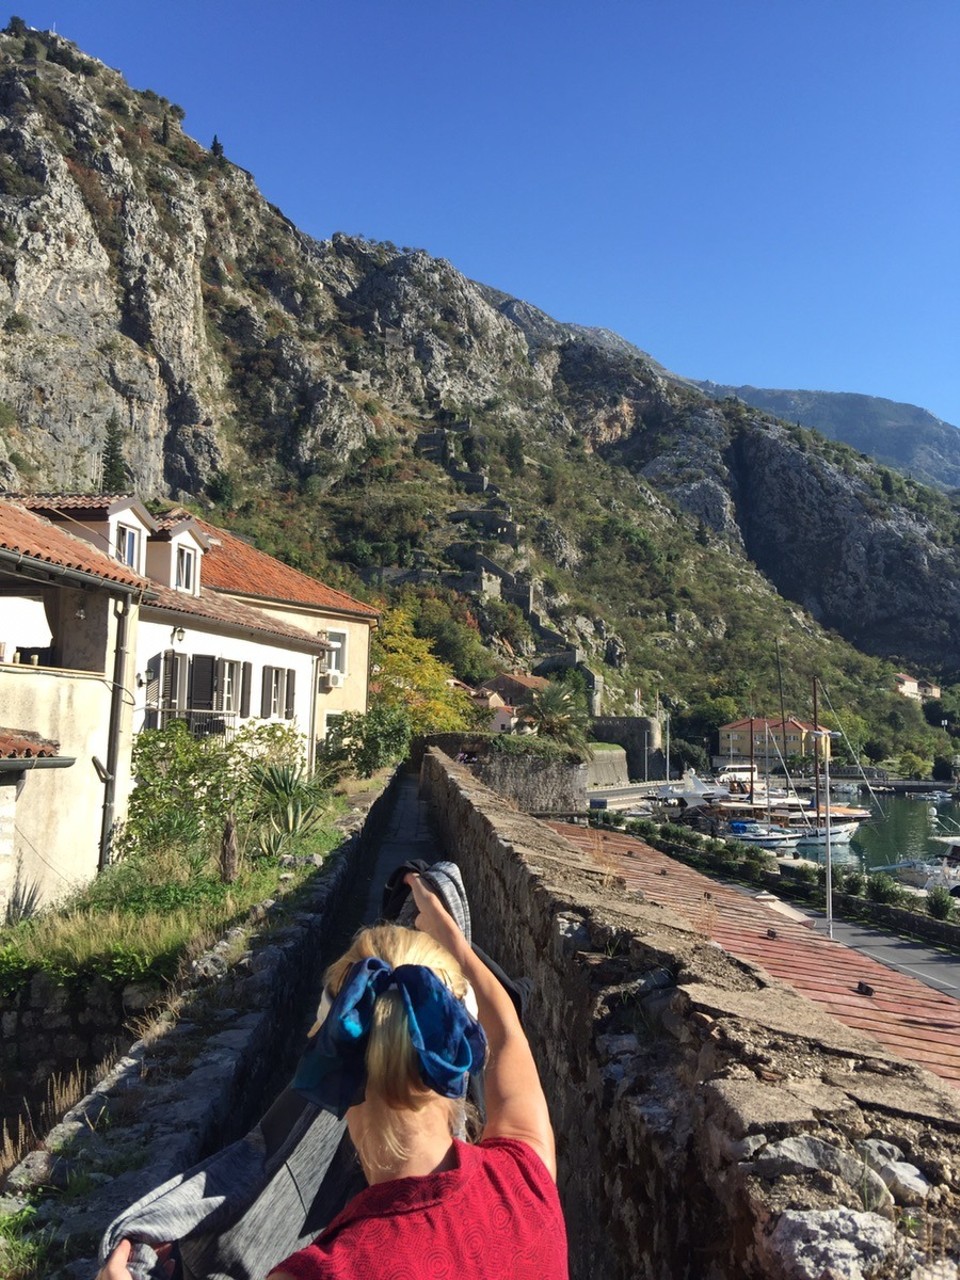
[114,621]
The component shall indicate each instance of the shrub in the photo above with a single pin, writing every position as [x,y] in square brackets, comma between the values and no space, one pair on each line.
[882,888]
[17,322]
[853,882]
[940,903]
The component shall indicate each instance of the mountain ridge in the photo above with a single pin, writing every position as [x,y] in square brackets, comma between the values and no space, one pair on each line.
[369,412]
[872,424]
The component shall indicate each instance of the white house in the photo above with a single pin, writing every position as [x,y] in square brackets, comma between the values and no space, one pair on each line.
[237,571]
[109,626]
[69,614]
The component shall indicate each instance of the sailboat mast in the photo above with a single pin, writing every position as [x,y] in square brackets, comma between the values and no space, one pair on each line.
[816,753]
[783,713]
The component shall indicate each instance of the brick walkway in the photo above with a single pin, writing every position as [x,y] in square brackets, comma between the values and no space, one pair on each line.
[909,1019]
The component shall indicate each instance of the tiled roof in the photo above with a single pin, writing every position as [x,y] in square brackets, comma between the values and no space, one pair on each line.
[102,504]
[516,677]
[771,724]
[22,744]
[234,565]
[69,501]
[31,535]
[211,606]
[908,1018]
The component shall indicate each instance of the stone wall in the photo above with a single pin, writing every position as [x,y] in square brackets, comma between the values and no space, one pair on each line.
[188,1088]
[640,737]
[530,783]
[710,1122]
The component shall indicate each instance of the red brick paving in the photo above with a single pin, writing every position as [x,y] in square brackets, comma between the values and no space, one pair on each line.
[908,1018]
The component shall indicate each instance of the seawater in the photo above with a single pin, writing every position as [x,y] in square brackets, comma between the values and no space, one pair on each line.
[899,828]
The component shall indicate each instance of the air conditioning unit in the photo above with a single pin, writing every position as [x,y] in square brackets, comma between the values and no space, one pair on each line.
[332,679]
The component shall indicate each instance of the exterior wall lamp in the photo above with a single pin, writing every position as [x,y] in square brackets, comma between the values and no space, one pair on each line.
[178,633]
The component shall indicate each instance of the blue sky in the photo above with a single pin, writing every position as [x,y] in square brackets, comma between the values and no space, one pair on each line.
[762,191]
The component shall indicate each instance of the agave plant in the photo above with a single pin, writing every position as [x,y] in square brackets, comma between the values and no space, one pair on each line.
[24,900]
[288,798]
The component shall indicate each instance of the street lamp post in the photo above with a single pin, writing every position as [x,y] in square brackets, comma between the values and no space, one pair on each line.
[826,735]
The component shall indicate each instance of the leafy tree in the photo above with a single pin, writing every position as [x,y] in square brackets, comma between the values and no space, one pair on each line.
[554,712]
[513,452]
[114,477]
[408,674]
[16,27]
[912,766]
[366,743]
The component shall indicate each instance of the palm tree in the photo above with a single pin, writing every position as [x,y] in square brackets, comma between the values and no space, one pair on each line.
[554,712]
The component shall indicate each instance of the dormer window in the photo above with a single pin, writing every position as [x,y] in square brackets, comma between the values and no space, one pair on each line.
[186,569]
[128,546]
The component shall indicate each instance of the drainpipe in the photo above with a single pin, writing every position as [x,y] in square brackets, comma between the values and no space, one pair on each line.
[312,736]
[113,733]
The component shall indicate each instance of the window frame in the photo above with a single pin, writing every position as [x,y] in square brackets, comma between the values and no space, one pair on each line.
[186,560]
[128,536]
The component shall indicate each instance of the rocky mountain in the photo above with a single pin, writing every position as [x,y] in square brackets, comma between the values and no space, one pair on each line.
[898,435]
[366,410]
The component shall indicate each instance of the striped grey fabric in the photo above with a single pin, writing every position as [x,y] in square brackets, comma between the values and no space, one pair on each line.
[242,1211]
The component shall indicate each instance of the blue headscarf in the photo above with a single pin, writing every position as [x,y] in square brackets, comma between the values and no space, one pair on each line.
[447,1041]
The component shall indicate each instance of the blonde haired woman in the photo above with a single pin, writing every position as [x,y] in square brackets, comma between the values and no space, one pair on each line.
[394,1051]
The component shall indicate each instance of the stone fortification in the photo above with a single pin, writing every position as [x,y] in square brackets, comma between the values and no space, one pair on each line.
[710,1122]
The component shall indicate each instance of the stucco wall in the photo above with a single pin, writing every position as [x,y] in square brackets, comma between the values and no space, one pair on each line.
[707,1117]
[58,812]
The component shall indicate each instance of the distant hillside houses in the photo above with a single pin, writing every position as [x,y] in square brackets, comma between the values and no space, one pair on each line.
[115,621]
[918,690]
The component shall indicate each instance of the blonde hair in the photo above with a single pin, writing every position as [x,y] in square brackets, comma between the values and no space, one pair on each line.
[394,1085]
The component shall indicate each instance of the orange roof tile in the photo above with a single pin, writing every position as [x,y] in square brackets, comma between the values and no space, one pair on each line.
[89,504]
[23,744]
[908,1018]
[35,538]
[211,606]
[234,565]
[516,677]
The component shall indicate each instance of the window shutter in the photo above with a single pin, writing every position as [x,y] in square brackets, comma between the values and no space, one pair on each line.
[201,682]
[218,685]
[245,683]
[152,712]
[266,693]
[291,690]
[181,681]
[166,679]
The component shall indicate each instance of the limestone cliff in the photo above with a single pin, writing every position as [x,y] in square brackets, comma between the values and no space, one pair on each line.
[145,277]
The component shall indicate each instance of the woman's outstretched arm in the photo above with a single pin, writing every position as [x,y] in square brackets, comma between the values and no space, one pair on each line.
[515,1104]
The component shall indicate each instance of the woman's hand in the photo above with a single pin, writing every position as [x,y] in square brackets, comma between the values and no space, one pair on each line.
[115,1267]
[433,918]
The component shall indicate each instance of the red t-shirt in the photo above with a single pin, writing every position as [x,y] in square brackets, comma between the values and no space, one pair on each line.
[496,1215]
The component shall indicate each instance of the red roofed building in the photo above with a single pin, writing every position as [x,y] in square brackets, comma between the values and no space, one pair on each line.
[114,621]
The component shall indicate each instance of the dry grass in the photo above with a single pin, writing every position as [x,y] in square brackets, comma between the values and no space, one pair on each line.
[63,1092]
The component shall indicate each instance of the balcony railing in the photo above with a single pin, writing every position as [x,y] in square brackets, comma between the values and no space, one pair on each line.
[202,724]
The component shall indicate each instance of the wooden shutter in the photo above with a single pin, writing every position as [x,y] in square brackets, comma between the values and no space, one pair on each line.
[201,682]
[181,682]
[290,692]
[152,711]
[218,685]
[245,683]
[266,693]
[167,685]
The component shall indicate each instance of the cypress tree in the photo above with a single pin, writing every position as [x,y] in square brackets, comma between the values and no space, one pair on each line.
[114,477]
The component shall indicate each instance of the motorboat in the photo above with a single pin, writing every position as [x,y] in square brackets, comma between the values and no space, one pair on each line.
[766,835]
[931,872]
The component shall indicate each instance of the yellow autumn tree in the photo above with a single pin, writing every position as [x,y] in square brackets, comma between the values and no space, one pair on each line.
[407,674]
